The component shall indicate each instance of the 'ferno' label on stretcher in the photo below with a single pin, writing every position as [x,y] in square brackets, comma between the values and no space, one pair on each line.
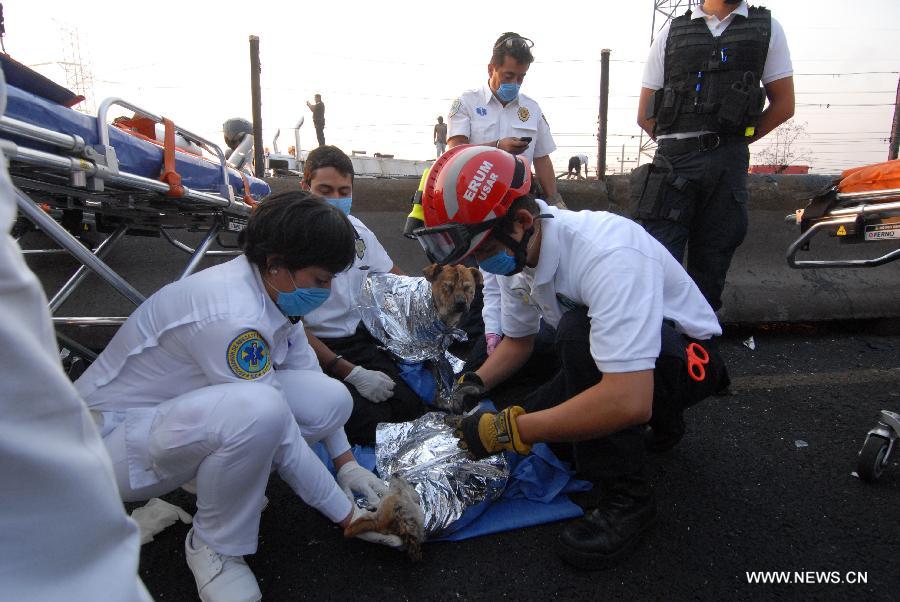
[883,232]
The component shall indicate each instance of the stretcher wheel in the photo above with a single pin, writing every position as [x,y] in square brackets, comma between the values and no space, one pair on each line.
[872,458]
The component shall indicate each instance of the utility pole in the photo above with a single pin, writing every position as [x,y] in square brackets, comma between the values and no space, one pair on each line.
[604,111]
[895,129]
[255,99]
[622,161]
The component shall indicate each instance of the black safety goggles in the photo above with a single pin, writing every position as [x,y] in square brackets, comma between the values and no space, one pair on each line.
[450,242]
[515,42]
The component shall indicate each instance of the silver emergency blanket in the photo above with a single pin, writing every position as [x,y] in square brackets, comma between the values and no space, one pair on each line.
[425,453]
[399,312]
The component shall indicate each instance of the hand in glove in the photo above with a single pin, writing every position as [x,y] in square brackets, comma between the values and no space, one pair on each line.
[492,341]
[353,477]
[391,541]
[155,516]
[373,385]
[485,433]
[467,391]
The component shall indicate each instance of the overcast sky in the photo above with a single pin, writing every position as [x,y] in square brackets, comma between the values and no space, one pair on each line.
[387,69]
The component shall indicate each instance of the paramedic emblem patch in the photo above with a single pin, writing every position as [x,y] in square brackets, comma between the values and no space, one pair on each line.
[248,355]
[454,108]
[523,114]
[360,248]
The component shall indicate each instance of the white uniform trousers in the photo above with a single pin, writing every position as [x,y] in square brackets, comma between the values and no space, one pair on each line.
[229,437]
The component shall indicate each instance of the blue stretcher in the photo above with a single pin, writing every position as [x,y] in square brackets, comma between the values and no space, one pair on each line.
[68,166]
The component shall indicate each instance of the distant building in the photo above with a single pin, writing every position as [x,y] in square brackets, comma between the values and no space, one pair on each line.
[780,169]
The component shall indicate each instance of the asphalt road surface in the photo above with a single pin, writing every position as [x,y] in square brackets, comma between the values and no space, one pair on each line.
[761,482]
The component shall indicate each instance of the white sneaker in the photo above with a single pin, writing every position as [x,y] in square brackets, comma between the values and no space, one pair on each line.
[219,578]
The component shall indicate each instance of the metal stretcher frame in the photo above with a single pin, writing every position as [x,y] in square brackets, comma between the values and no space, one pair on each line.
[868,206]
[89,179]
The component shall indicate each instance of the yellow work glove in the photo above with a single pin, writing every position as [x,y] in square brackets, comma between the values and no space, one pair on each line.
[485,433]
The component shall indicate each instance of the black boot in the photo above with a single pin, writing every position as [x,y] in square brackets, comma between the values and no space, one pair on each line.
[626,509]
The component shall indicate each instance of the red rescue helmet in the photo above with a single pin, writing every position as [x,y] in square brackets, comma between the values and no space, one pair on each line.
[468,189]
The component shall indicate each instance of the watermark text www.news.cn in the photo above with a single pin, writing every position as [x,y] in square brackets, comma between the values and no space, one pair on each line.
[808,577]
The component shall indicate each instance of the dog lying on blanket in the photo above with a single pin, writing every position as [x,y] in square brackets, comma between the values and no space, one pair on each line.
[416,318]
[400,514]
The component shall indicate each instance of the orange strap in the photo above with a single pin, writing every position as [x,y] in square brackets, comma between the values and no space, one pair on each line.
[169,175]
[247,198]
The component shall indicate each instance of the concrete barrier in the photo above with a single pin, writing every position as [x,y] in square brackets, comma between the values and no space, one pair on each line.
[761,287]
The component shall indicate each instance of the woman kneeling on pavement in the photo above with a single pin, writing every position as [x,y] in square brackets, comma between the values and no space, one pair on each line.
[212,380]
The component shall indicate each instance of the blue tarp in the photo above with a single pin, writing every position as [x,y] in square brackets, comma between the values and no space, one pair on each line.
[136,156]
[535,494]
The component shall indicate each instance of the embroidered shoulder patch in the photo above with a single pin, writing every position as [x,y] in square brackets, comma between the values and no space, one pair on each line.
[248,355]
[544,117]
[454,108]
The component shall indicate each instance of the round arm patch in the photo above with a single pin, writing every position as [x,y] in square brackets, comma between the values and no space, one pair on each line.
[248,355]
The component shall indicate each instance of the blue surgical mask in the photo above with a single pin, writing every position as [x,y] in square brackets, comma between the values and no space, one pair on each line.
[343,204]
[500,264]
[508,92]
[300,301]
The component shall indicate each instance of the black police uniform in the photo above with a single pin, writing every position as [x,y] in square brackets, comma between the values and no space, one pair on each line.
[695,191]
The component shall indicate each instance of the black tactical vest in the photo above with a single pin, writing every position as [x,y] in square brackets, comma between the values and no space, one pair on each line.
[713,84]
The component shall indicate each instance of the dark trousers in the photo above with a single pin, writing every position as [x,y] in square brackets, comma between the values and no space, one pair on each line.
[320,132]
[711,218]
[620,456]
[362,349]
[615,456]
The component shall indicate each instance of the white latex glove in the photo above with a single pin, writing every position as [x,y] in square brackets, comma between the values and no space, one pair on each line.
[391,541]
[353,477]
[373,385]
[155,516]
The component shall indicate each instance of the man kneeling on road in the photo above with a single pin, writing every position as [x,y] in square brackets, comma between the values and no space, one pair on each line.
[212,379]
[633,335]
[344,347]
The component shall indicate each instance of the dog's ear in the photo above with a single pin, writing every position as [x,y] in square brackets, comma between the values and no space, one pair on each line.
[476,274]
[431,272]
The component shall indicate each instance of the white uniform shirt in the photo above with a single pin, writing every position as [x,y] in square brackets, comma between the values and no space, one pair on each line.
[481,117]
[65,533]
[778,60]
[339,315]
[627,280]
[194,333]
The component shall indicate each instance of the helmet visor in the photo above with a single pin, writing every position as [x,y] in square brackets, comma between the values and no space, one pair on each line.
[451,242]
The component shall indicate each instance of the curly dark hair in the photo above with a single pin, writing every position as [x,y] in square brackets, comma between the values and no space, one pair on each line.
[326,156]
[521,53]
[301,230]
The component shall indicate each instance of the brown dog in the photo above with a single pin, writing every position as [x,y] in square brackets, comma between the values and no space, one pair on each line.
[399,513]
[452,289]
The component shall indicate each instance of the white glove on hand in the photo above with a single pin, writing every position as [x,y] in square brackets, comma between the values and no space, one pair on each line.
[371,384]
[391,541]
[155,516]
[353,477]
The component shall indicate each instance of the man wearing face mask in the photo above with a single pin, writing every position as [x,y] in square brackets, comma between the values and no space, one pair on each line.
[633,336]
[343,346]
[212,379]
[709,73]
[498,115]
